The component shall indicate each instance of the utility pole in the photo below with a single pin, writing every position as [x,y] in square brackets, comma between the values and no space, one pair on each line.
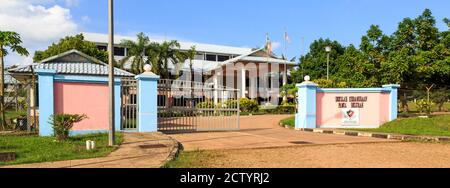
[111,136]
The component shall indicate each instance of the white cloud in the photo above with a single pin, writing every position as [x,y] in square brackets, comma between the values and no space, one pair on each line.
[72,3]
[37,24]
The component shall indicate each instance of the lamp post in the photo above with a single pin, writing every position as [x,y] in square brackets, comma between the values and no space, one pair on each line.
[328,50]
[111,136]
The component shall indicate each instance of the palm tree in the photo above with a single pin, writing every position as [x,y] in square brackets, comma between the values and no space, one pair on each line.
[168,52]
[12,41]
[190,54]
[137,53]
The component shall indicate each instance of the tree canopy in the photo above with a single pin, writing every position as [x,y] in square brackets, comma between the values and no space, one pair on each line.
[415,55]
[76,42]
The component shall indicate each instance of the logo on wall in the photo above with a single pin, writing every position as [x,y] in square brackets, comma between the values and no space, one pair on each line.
[350,117]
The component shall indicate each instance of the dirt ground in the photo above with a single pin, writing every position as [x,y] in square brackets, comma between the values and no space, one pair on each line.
[262,132]
[374,155]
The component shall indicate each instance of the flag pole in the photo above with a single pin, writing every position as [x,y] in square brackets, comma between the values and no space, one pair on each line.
[111,136]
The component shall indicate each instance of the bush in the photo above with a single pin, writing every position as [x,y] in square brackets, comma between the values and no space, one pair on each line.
[283,109]
[248,105]
[63,123]
[424,106]
[206,104]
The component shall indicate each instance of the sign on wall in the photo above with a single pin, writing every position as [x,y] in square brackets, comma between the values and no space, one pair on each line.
[350,116]
[350,108]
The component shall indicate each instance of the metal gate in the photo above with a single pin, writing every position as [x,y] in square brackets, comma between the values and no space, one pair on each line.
[185,106]
[129,107]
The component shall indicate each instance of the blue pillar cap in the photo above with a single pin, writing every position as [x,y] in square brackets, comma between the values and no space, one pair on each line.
[45,71]
[392,86]
[307,84]
[148,76]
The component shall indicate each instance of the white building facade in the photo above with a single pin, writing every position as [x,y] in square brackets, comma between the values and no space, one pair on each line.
[256,73]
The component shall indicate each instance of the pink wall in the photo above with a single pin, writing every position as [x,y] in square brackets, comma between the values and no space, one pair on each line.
[83,98]
[374,113]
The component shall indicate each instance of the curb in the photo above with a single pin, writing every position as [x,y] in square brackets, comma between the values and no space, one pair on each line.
[376,135]
[174,153]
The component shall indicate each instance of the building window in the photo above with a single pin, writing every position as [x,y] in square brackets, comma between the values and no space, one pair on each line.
[103,48]
[119,51]
[211,57]
[222,58]
[199,57]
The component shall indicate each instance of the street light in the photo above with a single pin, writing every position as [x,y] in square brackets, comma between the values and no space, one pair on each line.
[328,50]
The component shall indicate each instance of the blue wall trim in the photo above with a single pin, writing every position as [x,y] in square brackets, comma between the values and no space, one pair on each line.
[355,90]
[84,79]
[46,101]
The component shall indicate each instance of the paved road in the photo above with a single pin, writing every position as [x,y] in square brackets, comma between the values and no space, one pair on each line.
[262,132]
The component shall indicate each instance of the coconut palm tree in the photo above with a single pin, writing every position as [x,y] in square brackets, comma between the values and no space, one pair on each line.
[166,53]
[8,40]
[137,53]
[190,54]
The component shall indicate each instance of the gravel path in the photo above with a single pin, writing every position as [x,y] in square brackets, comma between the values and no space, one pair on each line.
[374,155]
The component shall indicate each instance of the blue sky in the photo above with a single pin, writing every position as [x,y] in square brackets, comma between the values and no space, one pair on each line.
[245,22]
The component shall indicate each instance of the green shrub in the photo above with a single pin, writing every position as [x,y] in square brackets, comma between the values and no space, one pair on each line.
[283,109]
[424,106]
[248,105]
[63,123]
[206,104]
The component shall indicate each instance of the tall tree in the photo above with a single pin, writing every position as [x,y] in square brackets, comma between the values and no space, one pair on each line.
[137,53]
[426,31]
[168,53]
[405,37]
[76,42]
[314,63]
[190,54]
[12,41]
[375,45]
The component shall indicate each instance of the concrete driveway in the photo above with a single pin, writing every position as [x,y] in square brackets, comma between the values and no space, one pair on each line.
[263,132]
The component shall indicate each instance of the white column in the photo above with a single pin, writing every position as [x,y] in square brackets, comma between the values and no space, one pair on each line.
[216,86]
[243,82]
[285,81]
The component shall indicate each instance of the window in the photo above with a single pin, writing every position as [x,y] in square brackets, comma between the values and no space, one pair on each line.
[211,57]
[119,51]
[199,57]
[104,48]
[222,58]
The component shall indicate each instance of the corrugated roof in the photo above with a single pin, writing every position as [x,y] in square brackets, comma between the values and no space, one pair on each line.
[90,66]
[82,68]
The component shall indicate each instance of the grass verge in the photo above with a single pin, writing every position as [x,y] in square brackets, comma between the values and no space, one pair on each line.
[289,122]
[35,149]
[192,159]
[434,126]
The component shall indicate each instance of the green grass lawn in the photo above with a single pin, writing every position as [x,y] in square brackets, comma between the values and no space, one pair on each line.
[413,107]
[192,159]
[289,122]
[35,149]
[14,114]
[434,126]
